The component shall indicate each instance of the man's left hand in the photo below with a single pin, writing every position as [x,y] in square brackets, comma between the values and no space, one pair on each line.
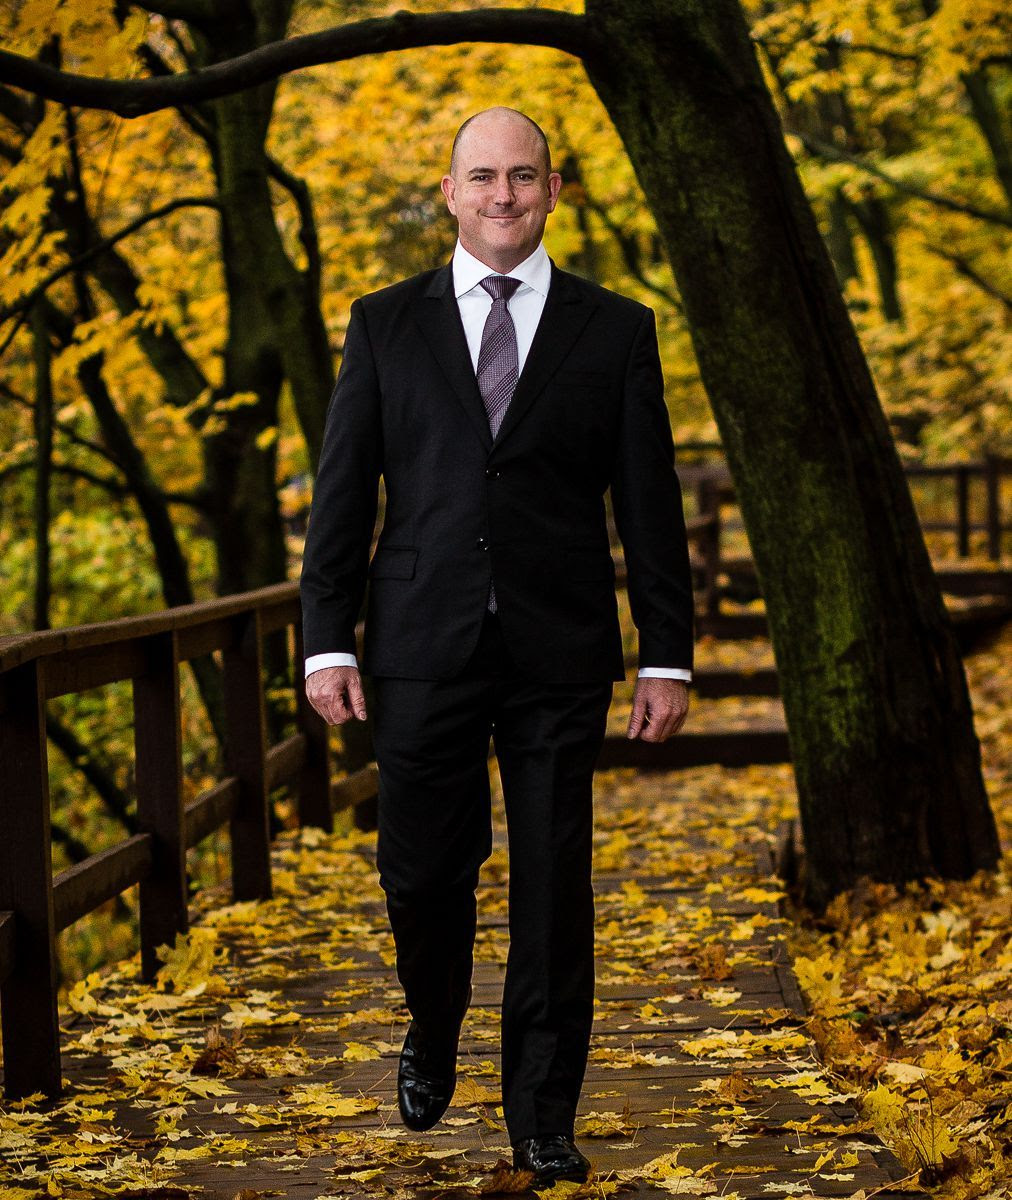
[659,708]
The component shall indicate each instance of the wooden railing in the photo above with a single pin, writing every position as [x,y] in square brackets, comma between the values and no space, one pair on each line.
[147,650]
[714,490]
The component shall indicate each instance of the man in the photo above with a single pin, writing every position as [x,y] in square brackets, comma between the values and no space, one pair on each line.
[500,398]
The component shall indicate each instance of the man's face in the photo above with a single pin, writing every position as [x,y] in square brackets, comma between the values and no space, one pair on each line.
[501,190]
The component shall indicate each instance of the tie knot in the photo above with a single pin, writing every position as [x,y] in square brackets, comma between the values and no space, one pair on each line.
[500,287]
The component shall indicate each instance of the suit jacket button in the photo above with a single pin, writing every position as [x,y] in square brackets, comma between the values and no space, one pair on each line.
[482,544]
[492,473]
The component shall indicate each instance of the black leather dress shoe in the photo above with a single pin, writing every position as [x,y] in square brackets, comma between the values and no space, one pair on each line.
[550,1156]
[427,1073]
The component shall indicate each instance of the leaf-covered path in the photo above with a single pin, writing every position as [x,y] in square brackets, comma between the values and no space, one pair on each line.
[264,1061]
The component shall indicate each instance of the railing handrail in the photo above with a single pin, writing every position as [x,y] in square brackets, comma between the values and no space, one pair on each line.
[17,649]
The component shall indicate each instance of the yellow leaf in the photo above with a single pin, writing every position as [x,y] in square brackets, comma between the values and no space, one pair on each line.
[359,1052]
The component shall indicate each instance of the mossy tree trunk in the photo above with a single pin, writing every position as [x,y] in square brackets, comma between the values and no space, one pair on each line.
[885,755]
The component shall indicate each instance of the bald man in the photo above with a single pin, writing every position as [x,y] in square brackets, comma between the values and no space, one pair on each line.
[500,398]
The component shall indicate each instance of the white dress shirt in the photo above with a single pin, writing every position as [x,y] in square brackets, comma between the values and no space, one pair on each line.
[526,306]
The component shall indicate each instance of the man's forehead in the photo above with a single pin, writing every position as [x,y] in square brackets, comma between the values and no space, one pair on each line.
[499,137]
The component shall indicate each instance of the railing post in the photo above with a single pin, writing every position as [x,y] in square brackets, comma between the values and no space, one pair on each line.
[28,1009]
[963,511]
[708,503]
[158,755]
[992,480]
[314,777]
[245,755]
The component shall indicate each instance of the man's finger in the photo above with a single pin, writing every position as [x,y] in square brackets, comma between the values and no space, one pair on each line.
[637,716]
[356,697]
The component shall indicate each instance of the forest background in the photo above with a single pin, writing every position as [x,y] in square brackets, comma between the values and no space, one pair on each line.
[897,114]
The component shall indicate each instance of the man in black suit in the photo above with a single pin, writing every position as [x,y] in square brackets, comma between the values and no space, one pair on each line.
[500,398]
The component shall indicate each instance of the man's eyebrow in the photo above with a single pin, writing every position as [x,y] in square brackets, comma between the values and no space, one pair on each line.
[491,170]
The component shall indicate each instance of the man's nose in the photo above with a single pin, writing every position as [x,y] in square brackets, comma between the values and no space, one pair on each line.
[504,193]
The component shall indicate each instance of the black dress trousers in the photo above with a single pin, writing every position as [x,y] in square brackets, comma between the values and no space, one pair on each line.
[431,739]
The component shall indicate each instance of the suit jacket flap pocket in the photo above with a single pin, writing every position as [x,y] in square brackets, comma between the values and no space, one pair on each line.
[393,562]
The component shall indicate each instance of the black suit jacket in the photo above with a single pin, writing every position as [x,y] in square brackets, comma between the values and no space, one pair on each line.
[527,508]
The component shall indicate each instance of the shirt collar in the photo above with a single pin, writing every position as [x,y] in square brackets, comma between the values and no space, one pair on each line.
[535,271]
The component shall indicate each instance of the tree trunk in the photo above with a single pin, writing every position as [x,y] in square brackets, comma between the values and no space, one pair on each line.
[885,755]
[873,217]
[43,418]
[839,242]
[991,124]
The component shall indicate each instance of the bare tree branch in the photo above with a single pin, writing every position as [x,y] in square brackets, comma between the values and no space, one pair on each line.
[968,271]
[824,150]
[402,31]
[113,486]
[100,778]
[68,431]
[626,245]
[835,43]
[101,246]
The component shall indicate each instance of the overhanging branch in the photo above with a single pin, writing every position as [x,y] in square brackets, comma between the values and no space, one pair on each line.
[402,31]
[100,247]
[834,154]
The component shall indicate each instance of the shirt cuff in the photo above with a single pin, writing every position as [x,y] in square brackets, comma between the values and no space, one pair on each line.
[317,662]
[665,673]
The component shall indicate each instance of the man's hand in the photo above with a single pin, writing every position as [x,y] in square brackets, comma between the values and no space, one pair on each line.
[336,694]
[659,708]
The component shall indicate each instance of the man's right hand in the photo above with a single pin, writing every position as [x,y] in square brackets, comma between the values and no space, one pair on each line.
[336,694]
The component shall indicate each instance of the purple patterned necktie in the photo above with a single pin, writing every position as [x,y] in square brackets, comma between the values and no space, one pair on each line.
[497,359]
[498,362]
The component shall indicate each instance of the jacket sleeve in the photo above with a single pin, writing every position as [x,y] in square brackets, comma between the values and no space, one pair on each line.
[647,502]
[343,511]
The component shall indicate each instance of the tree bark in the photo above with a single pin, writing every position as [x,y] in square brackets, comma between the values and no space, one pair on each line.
[885,755]
[43,421]
[991,124]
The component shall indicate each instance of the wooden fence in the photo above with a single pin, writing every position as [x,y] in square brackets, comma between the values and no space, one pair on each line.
[711,483]
[148,651]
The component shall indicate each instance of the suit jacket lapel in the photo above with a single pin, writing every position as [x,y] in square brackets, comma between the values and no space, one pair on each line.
[439,319]
[567,309]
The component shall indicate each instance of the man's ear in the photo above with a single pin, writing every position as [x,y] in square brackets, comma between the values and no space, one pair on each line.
[449,188]
[554,187]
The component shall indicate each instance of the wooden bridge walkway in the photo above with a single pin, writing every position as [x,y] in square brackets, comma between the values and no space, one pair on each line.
[263,1060]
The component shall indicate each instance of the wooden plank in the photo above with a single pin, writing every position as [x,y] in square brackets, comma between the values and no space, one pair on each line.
[313,789]
[80,889]
[205,638]
[210,810]
[29,1019]
[357,788]
[158,750]
[93,666]
[285,759]
[765,743]
[712,682]
[281,614]
[969,581]
[245,756]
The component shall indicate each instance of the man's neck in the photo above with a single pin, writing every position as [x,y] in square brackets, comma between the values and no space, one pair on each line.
[503,265]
